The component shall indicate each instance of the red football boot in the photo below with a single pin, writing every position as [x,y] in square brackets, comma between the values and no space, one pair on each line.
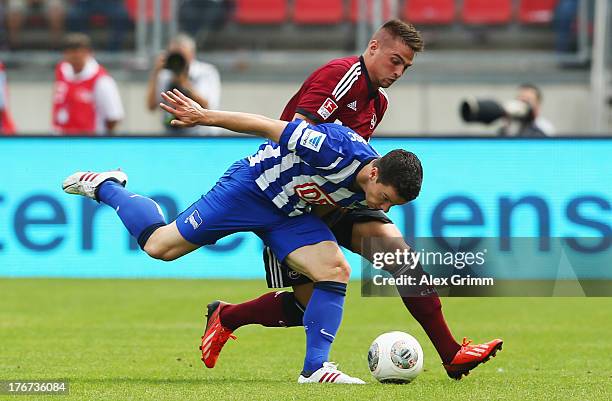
[470,356]
[215,336]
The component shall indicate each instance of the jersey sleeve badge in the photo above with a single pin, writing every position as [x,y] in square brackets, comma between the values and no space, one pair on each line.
[312,139]
[327,108]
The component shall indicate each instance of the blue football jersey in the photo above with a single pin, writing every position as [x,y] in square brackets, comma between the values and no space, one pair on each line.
[312,165]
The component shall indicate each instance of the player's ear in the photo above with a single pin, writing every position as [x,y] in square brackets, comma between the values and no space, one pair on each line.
[373,46]
[374,173]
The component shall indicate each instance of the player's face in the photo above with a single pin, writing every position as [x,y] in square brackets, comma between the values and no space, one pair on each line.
[381,196]
[389,60]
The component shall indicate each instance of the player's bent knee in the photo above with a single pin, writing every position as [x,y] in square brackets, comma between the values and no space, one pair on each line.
[339,271]
[167,244]
[158,251]
[168,256]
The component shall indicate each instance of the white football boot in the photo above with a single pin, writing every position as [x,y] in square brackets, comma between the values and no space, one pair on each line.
[329,373]
[85,183]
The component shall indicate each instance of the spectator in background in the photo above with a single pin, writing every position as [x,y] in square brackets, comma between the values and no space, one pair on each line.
[537,126]
[54,11]
[7,127]
[85,98]
[81,11]
[178,68]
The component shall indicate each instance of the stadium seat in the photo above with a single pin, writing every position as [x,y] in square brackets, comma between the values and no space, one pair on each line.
[536,11]
[487,12]
[261,11]
[354,10]
[434,12]
[132,9]
[318,11]
[98,20]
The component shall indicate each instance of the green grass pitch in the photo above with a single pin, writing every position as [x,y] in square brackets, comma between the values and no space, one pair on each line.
[138,339]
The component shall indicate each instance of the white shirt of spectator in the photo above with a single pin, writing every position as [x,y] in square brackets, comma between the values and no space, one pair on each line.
[545,125]
[205,79]
[106,94]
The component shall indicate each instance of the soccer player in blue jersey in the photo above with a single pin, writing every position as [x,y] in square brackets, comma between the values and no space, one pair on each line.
[349,91]
[300,165]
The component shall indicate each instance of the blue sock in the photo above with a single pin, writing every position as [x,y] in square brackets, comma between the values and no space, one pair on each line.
[140,215]
[321,321]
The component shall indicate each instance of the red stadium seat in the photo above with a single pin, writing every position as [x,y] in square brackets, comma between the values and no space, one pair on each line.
[98,20]
[318,11]
[536,11]
[487,12]
[261,11]
[435,12]
[354,10]
[132,9]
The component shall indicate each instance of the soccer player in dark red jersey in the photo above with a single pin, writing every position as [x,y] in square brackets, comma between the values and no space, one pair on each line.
[348,91]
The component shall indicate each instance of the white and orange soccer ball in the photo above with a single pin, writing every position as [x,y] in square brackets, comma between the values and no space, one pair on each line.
[395,357]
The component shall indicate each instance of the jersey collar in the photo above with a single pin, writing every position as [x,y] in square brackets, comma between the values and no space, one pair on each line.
[372,92]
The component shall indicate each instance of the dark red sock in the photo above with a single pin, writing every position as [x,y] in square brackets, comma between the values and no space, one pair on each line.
[274,309]
[428,312]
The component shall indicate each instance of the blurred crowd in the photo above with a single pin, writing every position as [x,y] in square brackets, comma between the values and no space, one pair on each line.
[117,17]
[200,17]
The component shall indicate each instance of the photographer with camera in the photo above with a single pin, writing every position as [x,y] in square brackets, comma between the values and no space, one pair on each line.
[521,116]
[178,68]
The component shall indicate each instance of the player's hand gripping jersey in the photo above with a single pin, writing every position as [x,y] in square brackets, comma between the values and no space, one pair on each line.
[340,92]
[311,166]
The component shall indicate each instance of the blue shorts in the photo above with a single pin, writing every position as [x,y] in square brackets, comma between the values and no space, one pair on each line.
[237,204]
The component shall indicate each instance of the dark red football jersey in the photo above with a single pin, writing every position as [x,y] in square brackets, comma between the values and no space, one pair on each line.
[340,92]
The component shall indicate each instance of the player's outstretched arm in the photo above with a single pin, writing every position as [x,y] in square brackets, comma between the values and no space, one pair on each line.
[188,113]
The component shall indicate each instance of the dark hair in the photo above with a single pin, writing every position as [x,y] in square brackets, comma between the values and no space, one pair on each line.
[402,170]
[406,32]
[534,88]
[76,40]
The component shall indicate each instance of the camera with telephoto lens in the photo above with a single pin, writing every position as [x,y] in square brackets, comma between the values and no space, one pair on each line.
[176,63]
[487,111]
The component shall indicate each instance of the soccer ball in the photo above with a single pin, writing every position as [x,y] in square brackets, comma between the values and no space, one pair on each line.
[395,357]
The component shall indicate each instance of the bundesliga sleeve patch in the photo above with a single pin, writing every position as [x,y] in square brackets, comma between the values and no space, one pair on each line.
[312,139]
[327,108]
